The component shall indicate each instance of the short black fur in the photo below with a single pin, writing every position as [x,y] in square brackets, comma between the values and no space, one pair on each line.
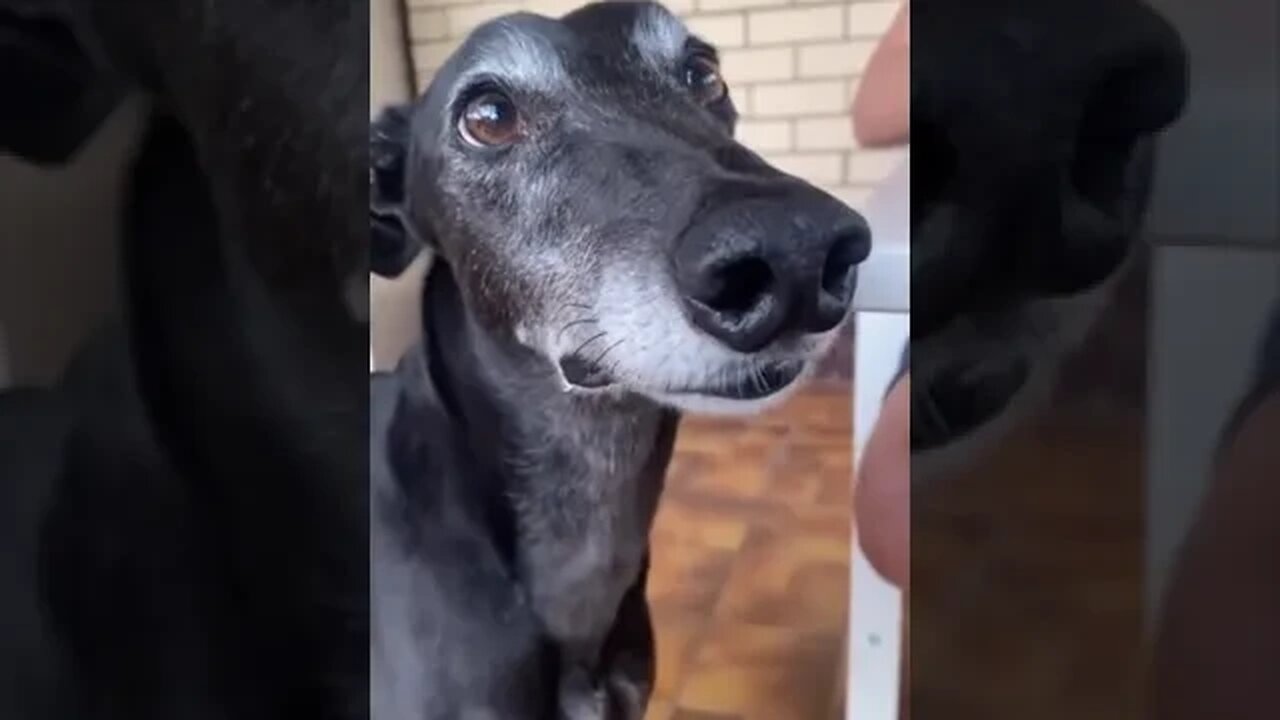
[188,507]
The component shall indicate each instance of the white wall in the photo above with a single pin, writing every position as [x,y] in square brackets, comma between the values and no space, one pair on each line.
[1209,308]
[1217,259]
[1216,178]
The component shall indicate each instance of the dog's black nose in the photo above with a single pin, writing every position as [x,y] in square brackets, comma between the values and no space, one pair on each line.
[751,272]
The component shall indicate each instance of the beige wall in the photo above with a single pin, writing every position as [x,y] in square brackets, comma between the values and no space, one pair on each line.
[394,315]
[389,79]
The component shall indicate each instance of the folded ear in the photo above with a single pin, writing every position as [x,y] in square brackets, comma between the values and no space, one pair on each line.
[393,245]
[54,96]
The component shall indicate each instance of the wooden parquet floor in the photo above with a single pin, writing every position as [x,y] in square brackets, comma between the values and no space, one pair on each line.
[749,584]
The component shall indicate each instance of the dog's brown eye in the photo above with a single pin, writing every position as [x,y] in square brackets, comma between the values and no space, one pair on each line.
[702,76]
[490,120]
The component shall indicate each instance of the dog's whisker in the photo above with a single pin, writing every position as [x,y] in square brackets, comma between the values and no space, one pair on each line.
[590,340]
[574,323]
[934,411]
[613,368]
[606,352]
[759,382]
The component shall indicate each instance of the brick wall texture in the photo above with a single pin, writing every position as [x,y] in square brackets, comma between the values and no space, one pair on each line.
[792,66]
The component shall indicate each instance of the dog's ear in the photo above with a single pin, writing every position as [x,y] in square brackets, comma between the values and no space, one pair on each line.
[54,96]
[393,242]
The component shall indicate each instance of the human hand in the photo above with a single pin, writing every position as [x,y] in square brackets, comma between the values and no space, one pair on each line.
[882,494]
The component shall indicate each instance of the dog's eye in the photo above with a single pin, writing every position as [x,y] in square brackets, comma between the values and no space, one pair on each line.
[490,120]
[702,76]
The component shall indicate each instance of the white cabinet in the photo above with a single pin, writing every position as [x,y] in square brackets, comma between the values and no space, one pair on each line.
[882,327]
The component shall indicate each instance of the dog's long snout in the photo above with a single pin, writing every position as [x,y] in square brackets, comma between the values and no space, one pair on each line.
[753,271]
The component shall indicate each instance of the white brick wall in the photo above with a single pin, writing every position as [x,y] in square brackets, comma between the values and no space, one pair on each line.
[792,66]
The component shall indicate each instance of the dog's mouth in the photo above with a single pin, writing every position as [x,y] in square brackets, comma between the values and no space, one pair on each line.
[748,383]
[755,383]
[955,403]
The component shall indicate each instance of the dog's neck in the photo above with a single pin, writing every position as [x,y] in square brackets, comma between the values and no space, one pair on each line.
[581,472]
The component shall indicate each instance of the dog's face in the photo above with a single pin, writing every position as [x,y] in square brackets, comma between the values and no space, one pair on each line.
[1032,152]
[580,178]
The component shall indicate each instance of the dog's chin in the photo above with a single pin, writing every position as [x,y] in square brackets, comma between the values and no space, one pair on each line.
[700,403]
[747,394]
[742,391]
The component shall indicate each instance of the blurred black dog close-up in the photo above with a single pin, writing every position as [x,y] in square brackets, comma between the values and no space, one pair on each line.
[1033,155]
[183,516]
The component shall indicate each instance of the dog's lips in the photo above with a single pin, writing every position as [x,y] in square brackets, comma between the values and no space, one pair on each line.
[755,383]
[580,373]
[763,382]
[953,404]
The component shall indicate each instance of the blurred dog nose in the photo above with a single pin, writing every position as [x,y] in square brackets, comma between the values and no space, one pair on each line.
[1042,194]
[751,272]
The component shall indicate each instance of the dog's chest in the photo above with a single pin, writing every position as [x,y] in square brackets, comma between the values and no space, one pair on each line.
[576,575]
[584,519]
[452,638]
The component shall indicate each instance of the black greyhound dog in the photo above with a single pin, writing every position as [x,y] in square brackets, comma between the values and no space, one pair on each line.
[606,257]
[184,518]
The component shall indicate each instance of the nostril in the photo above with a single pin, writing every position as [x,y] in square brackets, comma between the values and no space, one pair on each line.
[737,287]
[839,271]
[736,300]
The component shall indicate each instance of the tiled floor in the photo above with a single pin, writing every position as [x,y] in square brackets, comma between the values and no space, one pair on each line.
[750,564]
